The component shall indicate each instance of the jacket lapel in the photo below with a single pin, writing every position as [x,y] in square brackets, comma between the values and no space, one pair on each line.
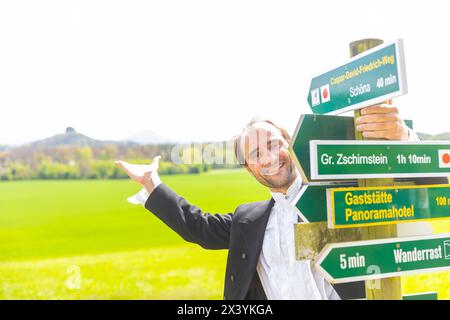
[253,228]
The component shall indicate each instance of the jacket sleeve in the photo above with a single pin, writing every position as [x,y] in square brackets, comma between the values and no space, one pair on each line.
[210,231]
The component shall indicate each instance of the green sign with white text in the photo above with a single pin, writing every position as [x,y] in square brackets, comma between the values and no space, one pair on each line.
[375,259]
[334,159]
[372,77]
[361,207]
[318,127]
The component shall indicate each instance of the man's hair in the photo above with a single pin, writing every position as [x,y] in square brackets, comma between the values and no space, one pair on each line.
[237,139]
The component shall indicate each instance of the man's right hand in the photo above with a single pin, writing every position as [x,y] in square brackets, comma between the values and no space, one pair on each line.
[146,175]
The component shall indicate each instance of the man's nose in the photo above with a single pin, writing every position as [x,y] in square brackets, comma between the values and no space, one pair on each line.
[268,159]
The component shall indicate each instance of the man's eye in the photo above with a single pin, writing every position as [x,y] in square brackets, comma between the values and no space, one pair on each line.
[275,146]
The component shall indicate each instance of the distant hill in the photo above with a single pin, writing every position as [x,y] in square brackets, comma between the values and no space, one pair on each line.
[148,137]
[440,136]
[73,139]
[72,155]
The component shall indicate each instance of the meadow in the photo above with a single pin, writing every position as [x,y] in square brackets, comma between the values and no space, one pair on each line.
[52,232]
[49,229]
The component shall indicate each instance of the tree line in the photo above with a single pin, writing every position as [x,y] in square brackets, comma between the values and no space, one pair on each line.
[67,162]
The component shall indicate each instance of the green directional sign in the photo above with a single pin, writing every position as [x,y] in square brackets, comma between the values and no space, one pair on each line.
[367,79]
[375,259]
[379,159]
[421,296]
[360,207]
[319,127]
[312,200]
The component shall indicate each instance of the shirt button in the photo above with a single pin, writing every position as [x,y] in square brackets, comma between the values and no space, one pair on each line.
[244,256]
[232,278]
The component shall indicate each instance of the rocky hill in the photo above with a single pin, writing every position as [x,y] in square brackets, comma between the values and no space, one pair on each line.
[72,138]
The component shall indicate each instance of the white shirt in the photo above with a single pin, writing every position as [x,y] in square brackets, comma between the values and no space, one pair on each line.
[283,277]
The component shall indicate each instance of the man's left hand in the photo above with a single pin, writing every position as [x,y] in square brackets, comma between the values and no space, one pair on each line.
[382,122]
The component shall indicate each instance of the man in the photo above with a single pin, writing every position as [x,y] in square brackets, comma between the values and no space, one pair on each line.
[261,260]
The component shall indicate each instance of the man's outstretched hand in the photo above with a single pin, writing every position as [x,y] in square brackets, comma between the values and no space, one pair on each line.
[146,175]
[382,122]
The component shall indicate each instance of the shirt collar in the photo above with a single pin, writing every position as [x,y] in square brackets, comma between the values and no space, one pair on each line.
[291,193]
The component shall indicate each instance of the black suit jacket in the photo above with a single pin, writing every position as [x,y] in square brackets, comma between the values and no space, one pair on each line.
[242,232]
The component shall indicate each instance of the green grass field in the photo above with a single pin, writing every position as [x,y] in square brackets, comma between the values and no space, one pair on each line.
[48,229]
[122,250]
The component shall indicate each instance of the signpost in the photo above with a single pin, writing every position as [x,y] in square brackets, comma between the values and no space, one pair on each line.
[375,259]
[368,216]
[319,127]
[378,159]
[388,288]
[372,77]
[312,200]
[358,207]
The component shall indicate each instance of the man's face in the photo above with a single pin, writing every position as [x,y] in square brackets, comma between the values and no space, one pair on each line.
[267,156]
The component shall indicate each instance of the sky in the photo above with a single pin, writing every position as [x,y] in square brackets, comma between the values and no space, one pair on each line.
[200,70]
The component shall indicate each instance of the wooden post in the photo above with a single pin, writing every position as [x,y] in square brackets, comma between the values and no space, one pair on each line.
[388,288]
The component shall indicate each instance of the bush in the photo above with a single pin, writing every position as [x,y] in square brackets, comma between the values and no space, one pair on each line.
[97,169]
[49,170]
[102,169]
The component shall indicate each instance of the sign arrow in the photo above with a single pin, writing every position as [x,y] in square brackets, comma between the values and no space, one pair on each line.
[375,259]
[319,127]
[369,78]
[312,200]
[378,159]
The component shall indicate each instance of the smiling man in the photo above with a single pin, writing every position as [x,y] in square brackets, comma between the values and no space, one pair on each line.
[260,235]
